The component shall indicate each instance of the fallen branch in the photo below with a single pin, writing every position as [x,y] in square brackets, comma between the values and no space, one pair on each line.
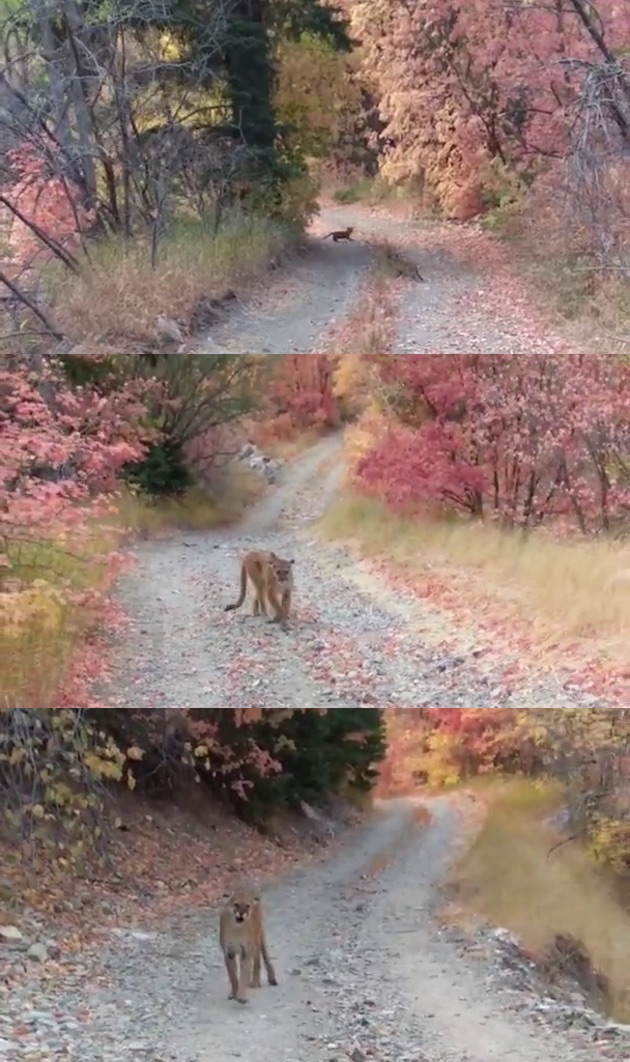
[33,307]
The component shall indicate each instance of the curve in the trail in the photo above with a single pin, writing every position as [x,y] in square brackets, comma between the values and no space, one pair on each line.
[364,971]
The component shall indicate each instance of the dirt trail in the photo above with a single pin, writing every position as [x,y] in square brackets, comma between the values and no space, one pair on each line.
[364,972]
[352,640]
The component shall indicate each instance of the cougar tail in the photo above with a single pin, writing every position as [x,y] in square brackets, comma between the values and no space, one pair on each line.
[327,235]
[237,604]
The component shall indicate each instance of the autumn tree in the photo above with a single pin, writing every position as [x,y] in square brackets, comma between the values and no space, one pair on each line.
[472,93]
[520,436]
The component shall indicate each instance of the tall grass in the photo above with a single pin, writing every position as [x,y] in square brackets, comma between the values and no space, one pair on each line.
[43,623]
[42,619]
[509,876]
[120,293]
[574,588]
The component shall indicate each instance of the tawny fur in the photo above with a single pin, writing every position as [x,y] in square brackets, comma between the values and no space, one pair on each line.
[243,942]
[340,234]
[272,579]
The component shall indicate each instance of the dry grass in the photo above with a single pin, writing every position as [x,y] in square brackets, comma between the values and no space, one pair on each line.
[290,449]
[119,294]
[509,877]
[373,191]
[296,442]
[40,624]
[563,589]
[234,492]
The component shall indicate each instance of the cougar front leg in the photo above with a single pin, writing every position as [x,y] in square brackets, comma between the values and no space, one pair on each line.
[230,965]
[271,973]
[246,974]
[276,606]
[255,981]
[259,600]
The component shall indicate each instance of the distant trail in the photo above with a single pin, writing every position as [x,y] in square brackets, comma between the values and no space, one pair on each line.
[381,646]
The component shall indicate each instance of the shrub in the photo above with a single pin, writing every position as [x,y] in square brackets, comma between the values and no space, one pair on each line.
[47,215]
[587,749]
[163,470]
[521,436]
[258,759]
[195,395]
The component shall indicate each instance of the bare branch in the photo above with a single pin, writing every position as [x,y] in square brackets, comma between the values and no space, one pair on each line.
[32,306]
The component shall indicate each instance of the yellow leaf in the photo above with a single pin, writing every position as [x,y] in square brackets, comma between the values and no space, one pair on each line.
[134,753]
[131,782]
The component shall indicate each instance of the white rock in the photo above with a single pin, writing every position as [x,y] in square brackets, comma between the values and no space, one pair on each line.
[10,933]
[38,952]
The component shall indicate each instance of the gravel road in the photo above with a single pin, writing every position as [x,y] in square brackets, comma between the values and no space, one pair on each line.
[352,640]
[364,971]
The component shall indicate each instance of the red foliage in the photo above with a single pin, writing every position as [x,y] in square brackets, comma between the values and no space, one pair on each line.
[302,392]
[520,435]
[59,453]
[466,88]
[476,741]
[47,200]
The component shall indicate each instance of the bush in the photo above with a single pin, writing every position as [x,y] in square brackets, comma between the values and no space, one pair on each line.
[522,436]
[258,760]
[317,752]
[163,470]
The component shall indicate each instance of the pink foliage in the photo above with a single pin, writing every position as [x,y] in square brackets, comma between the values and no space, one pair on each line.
[520,435]
[50,202]
[466,86]
[302,391]
[60,454]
